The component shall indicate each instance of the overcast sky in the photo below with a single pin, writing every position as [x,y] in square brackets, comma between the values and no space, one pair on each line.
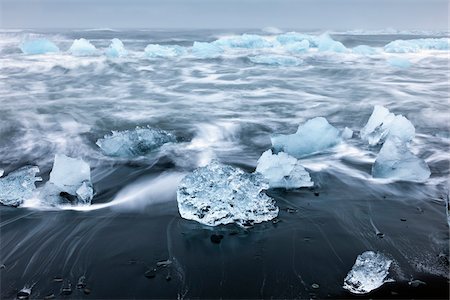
[301,14]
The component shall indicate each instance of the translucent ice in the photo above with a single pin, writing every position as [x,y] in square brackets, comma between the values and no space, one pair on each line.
[18,185]
[283,171]
[130,143]
[313,136]
[295,37]
[399,62]
[116,49]
[298,47]
[206,50]
[383,123]
[243,41]
[326,43]
[155,50]
[82,47]
[416,45]
[39,46]
[72,176]
[396,161]
[274,59]
[220,194]
[368,273]
[364,50]
[347,133]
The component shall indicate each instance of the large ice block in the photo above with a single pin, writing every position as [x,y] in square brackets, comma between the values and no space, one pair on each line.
[38,46]
[206,50]
[116,49]
[221,194]
[82,47]
[314,136]
[18,185]
[283,171]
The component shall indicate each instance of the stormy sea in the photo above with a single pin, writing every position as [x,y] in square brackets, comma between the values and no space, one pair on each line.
[163,164]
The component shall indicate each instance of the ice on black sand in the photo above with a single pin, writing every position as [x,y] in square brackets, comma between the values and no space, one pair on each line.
[18,185]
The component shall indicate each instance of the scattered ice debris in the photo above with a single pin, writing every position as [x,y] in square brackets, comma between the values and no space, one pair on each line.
[364,50]
[416,45]
[298,47]
[82,47]
[313,136]
[383,123]
[116,49]
[137,142]
[206,50]
[368,273]
[38,46]
[156,50]
[295,37]
[326,43]
[18,185]
[221,194]
[347,133]
[283,171]
[399,62]
[250,41]
[395,161]
[274,59]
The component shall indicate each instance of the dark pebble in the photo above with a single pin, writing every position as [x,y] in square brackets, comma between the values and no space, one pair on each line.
[315,286]
[403,220]
[275,221]
[316,194]
[87,291]
[2,267]
[66,291]
[81,282]
[23,295]
[168,277]
[150,273]
[57,279]
[380,235]
[50,296]
[216,238]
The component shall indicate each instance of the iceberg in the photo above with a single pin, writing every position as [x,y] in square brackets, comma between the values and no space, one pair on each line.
[221,194]
[250,41]
[283,171]
[326,43]
[72,176]
[313,136]
[368,273]
[137,142]
[116,49]
[156,50]
[396,161]
[82,47]
[416,45]
[382,123]
[273,59]
[206,50]
[295,37]
[18,185]
[364,50]
[298,47]
[399,62]
[38,46]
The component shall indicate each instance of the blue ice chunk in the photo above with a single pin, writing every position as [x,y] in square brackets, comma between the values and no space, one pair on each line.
[82,47]
[250,41]
[399,62]
[364,50]
[18,185]
[295,37]
[156,50]
[314,136]
[298,47]
[326,43]
[416,45]
[274,59]
[116,49]
[137,142]
[38,46]
[221,194]
[206,50]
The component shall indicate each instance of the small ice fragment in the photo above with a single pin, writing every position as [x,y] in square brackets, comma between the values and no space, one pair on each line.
[364,50]
[85,192]
[383,123]
[326,43]
[131,143]
[116,49]
[156,50]
[18,185]
[298,47]
[313,136]
[283,171]
[399,62]
[68,174]
[249,41]
[273,59]
[221,194]
[395,161]
[368,273]
[347,133]
[82,47]
[206,50]
[38,46]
